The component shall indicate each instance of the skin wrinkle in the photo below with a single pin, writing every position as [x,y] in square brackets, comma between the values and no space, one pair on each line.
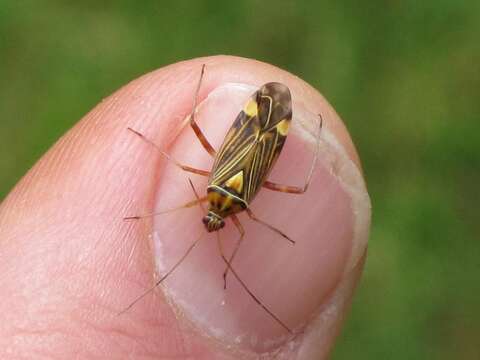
[39,338]
[104,123]
[137,341]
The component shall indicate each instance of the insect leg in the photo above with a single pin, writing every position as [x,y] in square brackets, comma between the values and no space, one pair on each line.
[296,189]
[184,206]
[271,227]
[200,199]
[177,264]
[198,132]
[240,228]
[245,287]
[169,157]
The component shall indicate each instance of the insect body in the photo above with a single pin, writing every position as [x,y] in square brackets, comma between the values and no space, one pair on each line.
[248,153]
[241,167]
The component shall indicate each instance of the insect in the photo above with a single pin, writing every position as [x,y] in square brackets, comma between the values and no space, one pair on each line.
[241,167]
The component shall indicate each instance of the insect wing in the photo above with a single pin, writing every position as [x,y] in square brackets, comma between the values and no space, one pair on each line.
[254,142]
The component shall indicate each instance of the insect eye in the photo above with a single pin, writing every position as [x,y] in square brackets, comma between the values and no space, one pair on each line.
[206,220]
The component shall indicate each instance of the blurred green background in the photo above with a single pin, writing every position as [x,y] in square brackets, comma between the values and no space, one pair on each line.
[404,75]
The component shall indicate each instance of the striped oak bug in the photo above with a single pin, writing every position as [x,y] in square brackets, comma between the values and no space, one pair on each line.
[241,167]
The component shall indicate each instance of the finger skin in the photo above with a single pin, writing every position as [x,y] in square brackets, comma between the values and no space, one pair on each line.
[69,263]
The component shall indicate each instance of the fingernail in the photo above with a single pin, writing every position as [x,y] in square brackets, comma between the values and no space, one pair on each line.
[328,224]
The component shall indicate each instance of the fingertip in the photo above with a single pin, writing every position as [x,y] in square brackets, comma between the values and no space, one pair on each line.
[330,233]
[77,195]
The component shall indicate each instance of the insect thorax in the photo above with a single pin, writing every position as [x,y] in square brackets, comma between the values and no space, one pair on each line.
[223,203]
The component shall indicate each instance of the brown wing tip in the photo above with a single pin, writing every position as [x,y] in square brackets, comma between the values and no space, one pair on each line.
[273,87]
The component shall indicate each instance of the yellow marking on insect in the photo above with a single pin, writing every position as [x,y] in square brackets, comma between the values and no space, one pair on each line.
[226,203]
[251,108]
[214,198]
[283,127]
[236,182]
[222,193]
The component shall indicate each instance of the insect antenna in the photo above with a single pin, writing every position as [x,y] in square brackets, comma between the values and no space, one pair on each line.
[239,226]
[198,201]
[245,287]
[229,267]
[177,264]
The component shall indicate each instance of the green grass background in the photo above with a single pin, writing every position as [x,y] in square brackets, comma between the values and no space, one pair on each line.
[404,75]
